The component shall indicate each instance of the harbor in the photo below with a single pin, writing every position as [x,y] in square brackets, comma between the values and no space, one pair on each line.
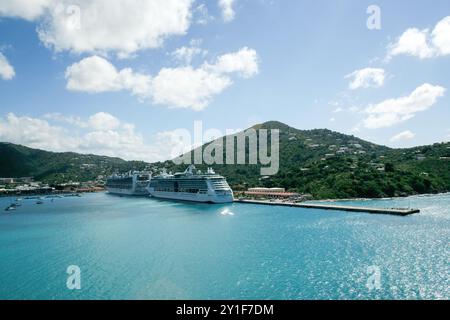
[250,251]
[387,211]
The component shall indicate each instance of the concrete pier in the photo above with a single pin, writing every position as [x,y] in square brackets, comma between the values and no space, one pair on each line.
[391,211]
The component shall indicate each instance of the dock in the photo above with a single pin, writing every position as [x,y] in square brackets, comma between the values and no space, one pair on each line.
[388,211]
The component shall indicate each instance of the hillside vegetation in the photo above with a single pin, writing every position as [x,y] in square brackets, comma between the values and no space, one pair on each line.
[320,162]
[328,164]
[52,167]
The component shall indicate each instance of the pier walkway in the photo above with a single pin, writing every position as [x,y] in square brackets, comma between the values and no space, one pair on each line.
[330,206]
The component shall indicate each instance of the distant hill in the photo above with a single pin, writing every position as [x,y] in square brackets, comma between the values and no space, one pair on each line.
[20,161]
[320,162]
[329,164]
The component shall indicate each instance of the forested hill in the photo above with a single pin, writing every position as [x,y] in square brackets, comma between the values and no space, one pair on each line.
[52,167]
[320,162]
[329,164]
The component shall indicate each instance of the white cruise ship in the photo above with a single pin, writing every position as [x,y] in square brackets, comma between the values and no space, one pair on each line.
[191,185]
[130,184]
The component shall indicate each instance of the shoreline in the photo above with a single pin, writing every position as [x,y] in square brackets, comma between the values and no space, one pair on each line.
[374,199]
[2,195]
[62,193]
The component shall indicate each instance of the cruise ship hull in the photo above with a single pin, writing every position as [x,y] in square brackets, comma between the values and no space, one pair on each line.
[127,192]
[204,198]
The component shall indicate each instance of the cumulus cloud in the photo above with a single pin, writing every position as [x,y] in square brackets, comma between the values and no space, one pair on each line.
[413,42]
[441,37]
[24,9]
[6,69]
[245,62]
[95,74]
[187,87]
[103,121]
[102,26]
[194,88]
[393,111]
[179,87]
[103,135]
[227,9]
[423,43]
[35,133]
[405,135]
[366,78]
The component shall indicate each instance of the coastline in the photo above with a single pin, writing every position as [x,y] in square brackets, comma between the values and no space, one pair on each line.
[57,193]
[423,195]
[4,195]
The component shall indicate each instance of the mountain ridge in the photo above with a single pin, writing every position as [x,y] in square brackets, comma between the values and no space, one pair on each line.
[321,162]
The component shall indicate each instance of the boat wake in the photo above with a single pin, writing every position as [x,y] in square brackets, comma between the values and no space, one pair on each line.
[226,212]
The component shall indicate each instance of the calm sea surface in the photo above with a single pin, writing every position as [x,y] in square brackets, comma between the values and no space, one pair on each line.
[139,248]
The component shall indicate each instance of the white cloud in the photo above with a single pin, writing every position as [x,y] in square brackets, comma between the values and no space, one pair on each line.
[405,135]
[413,42]
[72,120]
[393,111]
[187,87]
[35,133]
[245,62]
[103,121]
[227,9]
[385,120]
[441,36]
[105,136]
[423,43]
[102,26]
[180,87]
[6,69]
[124,143]
[366,78]
[24,9]
[187,54]
[96,74]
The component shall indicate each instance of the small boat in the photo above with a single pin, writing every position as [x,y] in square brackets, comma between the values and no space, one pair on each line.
[39,202]
[10,207]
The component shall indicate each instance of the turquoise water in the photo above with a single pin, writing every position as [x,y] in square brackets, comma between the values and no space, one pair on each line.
[141,248]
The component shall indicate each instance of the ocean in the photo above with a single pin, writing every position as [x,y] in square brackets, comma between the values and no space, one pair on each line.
[142,248]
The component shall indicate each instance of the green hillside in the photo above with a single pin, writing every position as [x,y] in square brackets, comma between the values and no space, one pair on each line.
[312,161]
[51,167]
[320,162]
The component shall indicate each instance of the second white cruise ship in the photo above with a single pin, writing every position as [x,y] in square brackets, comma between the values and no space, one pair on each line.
[130,184]
[191,185]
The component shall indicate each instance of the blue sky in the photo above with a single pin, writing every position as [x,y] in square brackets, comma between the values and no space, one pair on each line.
[291,61]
